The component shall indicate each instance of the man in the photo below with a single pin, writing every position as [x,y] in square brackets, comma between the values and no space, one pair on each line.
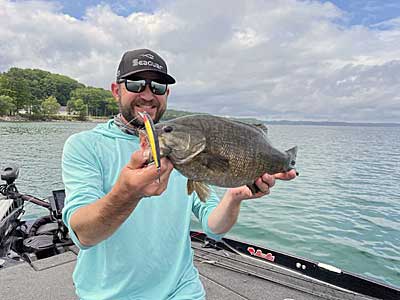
[132,229]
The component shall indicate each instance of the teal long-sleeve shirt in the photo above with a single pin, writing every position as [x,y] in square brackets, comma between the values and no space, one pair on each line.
[149,256]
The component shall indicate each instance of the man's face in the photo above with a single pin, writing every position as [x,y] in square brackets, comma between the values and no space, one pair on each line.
[131,103]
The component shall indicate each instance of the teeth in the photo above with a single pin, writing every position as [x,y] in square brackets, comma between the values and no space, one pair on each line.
[144,107]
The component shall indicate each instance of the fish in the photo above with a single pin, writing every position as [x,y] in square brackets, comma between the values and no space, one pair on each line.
[218,151]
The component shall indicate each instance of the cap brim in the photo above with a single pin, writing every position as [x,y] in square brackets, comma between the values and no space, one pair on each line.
[168,78]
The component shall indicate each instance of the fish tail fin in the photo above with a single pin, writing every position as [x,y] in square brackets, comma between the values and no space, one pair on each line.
[202,190]
[292,153]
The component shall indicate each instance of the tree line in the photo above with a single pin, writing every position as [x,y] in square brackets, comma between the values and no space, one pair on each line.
[38,93]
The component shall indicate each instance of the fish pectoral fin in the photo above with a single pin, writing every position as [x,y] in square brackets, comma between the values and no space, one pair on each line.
[202,190]
[190,186]
[215,162]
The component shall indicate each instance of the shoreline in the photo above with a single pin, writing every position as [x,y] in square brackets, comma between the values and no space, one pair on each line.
[72,118]
[22,119]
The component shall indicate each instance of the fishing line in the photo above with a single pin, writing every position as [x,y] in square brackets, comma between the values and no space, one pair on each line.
[126,125]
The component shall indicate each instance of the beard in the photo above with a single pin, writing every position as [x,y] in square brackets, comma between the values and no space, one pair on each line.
[128,112]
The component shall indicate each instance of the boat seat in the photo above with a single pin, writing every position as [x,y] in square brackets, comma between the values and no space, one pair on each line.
[48,228]
[39,242]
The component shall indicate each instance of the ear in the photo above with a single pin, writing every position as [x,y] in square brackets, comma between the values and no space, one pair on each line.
[115,90]
[167,93]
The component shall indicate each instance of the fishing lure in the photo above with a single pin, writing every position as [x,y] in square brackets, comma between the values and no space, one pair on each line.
[153,140]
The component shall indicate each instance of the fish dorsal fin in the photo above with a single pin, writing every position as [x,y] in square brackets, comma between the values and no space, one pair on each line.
[258,126]
[202,190]
[262,127]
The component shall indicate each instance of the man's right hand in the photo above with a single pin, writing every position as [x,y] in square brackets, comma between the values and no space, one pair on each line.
[141,180]
[98,220]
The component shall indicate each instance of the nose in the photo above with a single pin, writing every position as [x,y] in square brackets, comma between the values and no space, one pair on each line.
[147,94]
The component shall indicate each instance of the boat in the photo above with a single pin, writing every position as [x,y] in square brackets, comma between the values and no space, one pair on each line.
[37,258]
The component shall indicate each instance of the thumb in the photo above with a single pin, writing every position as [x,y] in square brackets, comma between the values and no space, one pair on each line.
[138,159]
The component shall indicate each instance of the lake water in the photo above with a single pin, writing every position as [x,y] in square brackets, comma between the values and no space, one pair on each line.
[343,209]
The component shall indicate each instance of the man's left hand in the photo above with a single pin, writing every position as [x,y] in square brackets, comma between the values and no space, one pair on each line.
[264,184]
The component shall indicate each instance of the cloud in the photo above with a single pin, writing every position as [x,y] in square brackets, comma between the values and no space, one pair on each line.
[273,60]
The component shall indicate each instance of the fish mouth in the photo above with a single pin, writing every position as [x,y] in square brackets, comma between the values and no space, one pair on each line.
[164,149]
[165,152]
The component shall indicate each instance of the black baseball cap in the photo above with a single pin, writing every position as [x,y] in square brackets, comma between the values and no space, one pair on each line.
[139,60]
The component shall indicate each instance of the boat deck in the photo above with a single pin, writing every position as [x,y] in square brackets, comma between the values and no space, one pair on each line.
[225,275]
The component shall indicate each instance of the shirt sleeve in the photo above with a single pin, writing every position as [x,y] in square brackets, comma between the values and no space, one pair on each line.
[82,177]
[202,211]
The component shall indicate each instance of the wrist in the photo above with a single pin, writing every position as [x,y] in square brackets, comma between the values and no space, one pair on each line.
[234,196]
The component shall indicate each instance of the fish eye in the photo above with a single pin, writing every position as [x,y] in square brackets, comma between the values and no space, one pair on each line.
[167,129]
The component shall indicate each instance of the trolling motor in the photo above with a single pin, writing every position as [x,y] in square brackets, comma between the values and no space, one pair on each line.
[31,240]
[10,174]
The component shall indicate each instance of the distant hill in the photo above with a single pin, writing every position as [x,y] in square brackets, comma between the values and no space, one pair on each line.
[28,89]
[173,113]
[326,123]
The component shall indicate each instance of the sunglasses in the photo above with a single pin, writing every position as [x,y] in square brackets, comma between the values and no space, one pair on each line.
[138,86]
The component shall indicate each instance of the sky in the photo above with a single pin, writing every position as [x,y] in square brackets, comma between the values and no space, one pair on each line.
[272,60]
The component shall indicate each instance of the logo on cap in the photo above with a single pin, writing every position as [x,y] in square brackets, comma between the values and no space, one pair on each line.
[148,55]
[149,63]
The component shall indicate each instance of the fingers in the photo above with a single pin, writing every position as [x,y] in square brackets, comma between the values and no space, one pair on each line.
[152,174]
[139,179]
[160,180]
[144,142]
[138,159]
[286,176]
[268,179]
[265,182]
[148,173]
[166,168]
